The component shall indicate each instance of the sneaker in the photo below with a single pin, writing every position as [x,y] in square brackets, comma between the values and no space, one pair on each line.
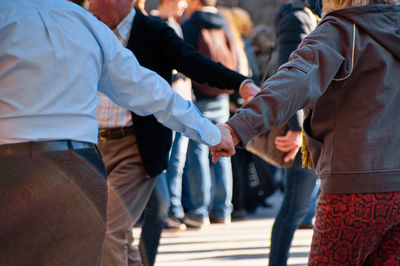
[174,223]
[196,223]
[220,220]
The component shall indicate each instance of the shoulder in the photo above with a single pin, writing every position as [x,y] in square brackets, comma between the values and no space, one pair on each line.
[332,32]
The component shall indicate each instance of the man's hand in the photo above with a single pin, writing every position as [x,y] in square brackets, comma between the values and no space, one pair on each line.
[248,90]
[289,143]
[226,147]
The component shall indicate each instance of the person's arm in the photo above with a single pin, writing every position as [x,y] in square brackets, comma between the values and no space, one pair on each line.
[291,27]
[144,92]
[296,85]
[184,58]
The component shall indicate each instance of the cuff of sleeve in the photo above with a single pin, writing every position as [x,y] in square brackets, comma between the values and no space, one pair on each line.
[244,82]
[213,136]
[241,128]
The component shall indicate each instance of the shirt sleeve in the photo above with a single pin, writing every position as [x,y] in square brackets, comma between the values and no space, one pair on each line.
[297,84]
[144,92]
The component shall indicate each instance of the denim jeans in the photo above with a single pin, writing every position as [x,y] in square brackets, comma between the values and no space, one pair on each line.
[210,186]
[153,221]
[174,174]
[313,204]
[299,186]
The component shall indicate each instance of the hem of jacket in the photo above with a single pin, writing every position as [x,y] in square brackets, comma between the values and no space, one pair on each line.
[360,182]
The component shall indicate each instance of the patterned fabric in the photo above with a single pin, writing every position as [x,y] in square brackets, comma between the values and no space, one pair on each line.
[108,113]
[357,229]
[111,115]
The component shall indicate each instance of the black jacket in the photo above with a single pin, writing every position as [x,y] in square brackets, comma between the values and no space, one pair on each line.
[292,24]
[157,47]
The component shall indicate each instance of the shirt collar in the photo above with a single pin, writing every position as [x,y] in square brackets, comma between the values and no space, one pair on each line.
[210,9]
[123,29]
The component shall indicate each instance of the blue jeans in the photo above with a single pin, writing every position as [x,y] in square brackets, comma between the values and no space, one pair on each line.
[299,186]
[153,221]
[313,204]
[174,174]
[210,186]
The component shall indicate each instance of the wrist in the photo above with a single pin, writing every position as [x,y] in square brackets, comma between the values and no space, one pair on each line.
[244,82]
[235,137]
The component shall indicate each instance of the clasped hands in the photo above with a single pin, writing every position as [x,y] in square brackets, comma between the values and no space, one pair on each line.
[229,138]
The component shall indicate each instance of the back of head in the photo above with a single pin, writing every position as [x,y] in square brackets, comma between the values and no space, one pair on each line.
[330,5]
[263,39]
[208,2]
[242,20]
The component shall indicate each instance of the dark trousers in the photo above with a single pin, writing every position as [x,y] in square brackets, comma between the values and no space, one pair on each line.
[153,221]
[52,207]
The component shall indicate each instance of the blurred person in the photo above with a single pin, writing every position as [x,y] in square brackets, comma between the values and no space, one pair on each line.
[242,64]
[293,22]
[163,195]
[244,24]
[169,11]
[263,42]
[254,180]
[210,186]
[135,149]
[55,57]
[351,128]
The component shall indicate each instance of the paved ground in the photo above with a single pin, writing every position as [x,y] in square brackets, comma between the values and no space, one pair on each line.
[243,242]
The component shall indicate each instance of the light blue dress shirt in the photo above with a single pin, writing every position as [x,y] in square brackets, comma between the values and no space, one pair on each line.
[54,56]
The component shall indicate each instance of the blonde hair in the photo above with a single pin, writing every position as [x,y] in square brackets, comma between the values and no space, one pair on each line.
[330,5]
[242,20]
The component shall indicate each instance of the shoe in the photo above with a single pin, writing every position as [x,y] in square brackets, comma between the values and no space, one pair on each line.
[196,223]
[174,223]
[304,225]
[239,214]
[220,220]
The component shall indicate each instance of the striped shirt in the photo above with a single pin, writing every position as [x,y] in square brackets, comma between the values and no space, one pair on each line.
[109,114]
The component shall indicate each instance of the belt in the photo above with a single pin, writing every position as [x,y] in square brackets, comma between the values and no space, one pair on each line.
[115,133]
[43,146]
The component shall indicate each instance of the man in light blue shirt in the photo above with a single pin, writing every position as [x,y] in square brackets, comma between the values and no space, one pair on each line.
[54,57]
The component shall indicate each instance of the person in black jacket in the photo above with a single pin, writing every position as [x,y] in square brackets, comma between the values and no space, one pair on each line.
[293,22]
[135,155]
[201,31]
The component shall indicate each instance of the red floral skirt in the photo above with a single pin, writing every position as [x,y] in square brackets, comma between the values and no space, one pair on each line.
[357,229]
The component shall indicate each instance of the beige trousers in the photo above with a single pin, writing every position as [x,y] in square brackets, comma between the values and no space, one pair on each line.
[129,189]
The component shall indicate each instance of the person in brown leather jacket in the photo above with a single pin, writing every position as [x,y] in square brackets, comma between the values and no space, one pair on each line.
[346,74]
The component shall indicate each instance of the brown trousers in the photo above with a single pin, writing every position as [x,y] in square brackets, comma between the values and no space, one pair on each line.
[52,208]
[129,189]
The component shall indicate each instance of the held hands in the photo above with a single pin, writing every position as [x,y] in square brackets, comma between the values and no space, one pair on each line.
[289,143]
[248,91]
[227,145]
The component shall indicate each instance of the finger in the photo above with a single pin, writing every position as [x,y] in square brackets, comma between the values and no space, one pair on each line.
[281,142]
[290,155]
[281,138]
[284,148]
[230,92]
[215,157]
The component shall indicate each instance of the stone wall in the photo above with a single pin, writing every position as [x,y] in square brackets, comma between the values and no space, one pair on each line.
[261,11]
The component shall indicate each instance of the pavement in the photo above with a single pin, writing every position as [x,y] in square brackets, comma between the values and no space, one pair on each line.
[244,242]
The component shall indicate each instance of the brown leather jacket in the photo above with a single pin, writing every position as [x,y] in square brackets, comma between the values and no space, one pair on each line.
[347,74]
